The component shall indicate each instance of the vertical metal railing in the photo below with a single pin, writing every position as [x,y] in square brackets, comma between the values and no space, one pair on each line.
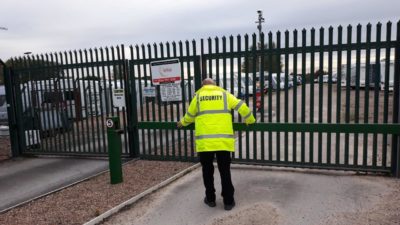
[348,94]
[395,156]
[365,68]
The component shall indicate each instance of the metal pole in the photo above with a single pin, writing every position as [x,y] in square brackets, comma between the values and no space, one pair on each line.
[396,105]
[29,65]
[259,27]
[260,63]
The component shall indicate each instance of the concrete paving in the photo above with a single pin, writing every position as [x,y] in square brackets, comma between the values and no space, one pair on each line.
[263,196]
[25,178]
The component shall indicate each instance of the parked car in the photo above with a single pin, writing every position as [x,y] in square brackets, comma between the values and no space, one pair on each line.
[299,80]
[3,106]
[276,79]
[325,79]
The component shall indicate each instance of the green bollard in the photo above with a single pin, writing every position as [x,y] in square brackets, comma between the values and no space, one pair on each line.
[114,149]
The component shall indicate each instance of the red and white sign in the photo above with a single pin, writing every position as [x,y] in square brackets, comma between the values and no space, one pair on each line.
[166,71]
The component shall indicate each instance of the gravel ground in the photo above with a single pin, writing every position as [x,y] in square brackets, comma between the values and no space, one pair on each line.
[385,212]
[257,214]
[273,196]
[84,201]
[5,148]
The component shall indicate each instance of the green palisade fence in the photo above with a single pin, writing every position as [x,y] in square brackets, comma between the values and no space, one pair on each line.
[323,98]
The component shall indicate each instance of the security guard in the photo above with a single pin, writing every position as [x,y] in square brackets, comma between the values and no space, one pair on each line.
[211,109]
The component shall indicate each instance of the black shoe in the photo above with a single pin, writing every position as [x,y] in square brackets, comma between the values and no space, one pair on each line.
[211,204]
[229,206]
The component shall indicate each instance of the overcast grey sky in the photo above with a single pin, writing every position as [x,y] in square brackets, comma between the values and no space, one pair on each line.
[42,26]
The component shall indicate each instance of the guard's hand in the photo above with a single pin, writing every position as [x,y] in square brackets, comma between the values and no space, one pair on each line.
[179,124]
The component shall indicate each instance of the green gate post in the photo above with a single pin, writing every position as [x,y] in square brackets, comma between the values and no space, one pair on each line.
[11,112]
[197,73]
[114,149]
[396,105]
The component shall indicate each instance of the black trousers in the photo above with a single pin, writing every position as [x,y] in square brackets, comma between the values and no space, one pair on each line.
[224,167]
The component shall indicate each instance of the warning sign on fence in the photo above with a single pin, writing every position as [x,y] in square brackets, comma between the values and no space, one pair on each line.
[170,92]
[165,71]
[149,91]
[119,97]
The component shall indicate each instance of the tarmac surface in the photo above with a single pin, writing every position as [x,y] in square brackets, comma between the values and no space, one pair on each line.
[263,196]
[22,179]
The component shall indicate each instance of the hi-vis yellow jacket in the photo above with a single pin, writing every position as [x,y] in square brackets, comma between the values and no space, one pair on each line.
[211,109]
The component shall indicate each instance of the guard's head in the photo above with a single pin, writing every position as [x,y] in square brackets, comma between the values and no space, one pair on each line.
[208,81]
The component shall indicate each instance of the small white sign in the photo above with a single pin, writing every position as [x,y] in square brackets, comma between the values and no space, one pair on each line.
[170,92]
[166,71]
[110,123]
[119,98]
[149,91]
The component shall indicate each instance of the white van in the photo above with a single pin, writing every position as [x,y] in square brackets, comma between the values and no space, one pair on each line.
[3,106]
[373,73]
[391,75]
[227,86]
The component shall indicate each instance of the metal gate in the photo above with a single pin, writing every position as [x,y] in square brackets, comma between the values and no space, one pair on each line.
[155,140]
[321,101]
[327,103]
[60,101]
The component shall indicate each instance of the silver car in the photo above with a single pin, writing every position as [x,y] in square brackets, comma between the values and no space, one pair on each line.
[3,106]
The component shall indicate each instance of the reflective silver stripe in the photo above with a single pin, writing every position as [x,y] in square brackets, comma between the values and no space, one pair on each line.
[225,110]
[238,105]
[198,103]
[214,136]
[212,112]
[190,115]
[225,101]
[247,116]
